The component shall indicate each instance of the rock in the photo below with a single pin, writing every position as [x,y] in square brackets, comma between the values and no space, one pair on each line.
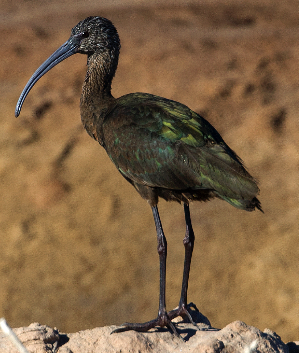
[36,338]
[235,337]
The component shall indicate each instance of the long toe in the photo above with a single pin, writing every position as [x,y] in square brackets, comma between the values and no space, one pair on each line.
[186,312]
[161,321]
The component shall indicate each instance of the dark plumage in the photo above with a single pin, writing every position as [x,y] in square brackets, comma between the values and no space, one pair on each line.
[160,146]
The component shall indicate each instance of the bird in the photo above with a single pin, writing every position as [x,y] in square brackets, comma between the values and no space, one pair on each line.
[161,147]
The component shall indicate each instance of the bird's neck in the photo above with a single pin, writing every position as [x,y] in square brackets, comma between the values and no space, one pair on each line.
[96,98]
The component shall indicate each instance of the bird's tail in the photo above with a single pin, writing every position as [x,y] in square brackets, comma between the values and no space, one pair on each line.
[247,205]
[219,169]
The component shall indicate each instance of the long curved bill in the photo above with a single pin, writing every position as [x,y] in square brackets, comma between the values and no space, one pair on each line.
[67,49]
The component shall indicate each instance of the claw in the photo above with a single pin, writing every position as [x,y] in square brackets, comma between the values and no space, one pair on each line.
[183,311]
[163,320]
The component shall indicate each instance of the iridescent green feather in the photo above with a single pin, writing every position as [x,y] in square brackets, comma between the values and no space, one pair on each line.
[162,143]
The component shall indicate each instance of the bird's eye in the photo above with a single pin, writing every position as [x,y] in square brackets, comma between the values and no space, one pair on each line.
[85,34]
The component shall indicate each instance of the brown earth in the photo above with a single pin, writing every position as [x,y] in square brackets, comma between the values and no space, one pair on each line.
[78,244]
[235,337]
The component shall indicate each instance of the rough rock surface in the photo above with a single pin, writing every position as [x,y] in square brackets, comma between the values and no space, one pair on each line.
[235,337]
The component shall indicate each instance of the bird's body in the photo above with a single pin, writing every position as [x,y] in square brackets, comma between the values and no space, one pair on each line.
[166,150]
[163,148]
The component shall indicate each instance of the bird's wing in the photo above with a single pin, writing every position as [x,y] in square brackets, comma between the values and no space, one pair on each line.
[161,143]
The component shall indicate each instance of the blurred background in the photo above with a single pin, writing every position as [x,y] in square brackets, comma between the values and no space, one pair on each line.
[78,244]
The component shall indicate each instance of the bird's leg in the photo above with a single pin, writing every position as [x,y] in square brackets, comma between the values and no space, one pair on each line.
[163,318]
[162,251]
[188,241]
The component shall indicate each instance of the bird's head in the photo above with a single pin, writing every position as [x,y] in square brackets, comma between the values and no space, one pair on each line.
[96,34]
[92,35]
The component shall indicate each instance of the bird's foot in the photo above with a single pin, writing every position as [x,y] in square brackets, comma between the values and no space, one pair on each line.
[163,320]
[184,311]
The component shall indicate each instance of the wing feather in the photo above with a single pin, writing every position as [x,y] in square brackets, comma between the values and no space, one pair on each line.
[162,143]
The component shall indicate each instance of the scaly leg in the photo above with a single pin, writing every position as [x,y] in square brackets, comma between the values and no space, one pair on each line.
[188,241]
[162,318]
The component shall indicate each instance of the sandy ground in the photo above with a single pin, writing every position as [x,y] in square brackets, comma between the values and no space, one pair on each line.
[78,244]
